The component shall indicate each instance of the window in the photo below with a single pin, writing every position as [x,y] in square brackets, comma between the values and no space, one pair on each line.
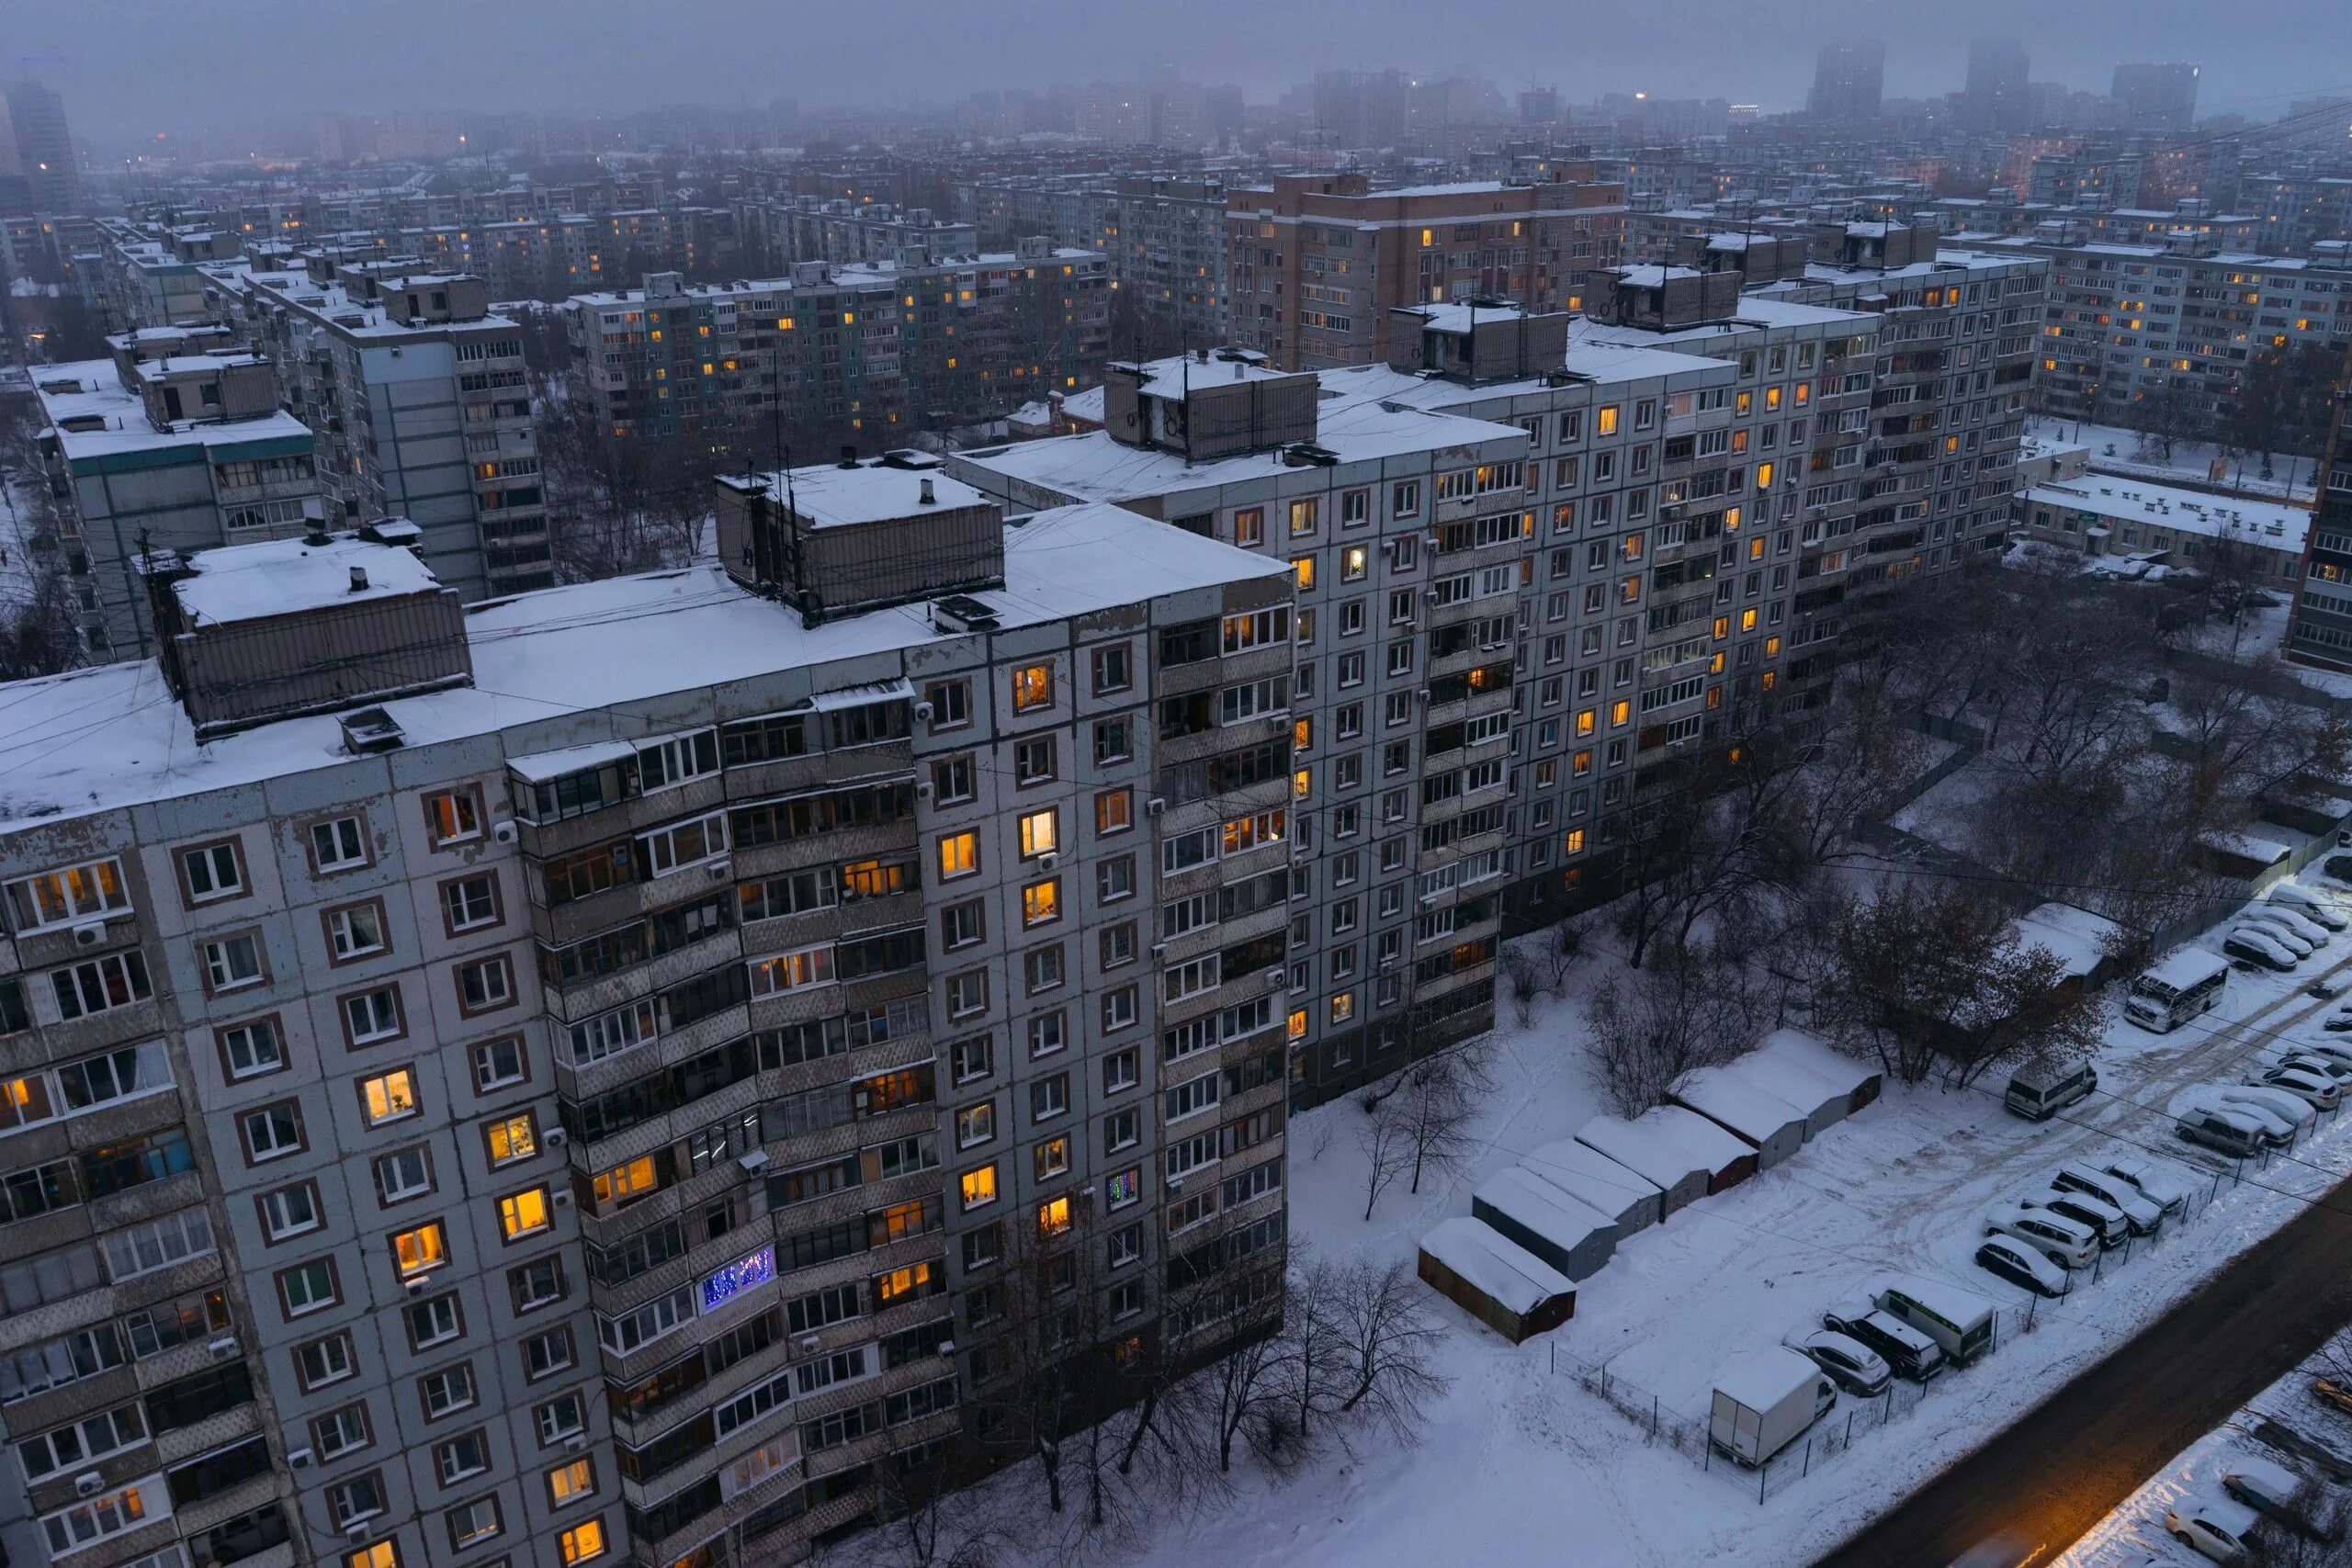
[568,1483]
[535,1284]
[1249,525]
[1051,1158]
[959,855]
[1119,1008]
[523,1213]
[324,1361]
[1033,762]
[338,844]
[403,1173]
[486,985]
[978,1187]
[272,1132]
[388,1097]
[432,1323]
[1405,499]
[510,1139]
[453,815]
[232,963]
[380,1554]
[308,1286]
[1053,1217]
[1049,1098]
[212,873]
[252,1049]
[468,903]
[560,1419]
[1113,669]
[100,985]
[420,1250]
[584,1542]
[340,1431]
[950,702]
[1033,687]
[444,1393]
[1114,879]
[1041,902]
[1039,833]
[975,1125]
[61,897]
[972,1059]
[499,1063]
[370,1016]
[545,1354]
[968,993]
[471,1523]
[788,972]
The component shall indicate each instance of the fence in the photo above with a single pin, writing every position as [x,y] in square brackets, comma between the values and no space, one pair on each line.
[1852,1417]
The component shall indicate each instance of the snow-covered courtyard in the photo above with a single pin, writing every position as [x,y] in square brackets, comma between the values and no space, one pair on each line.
[1519,1452]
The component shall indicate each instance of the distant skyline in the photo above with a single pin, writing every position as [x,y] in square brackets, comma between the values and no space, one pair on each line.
[128,68]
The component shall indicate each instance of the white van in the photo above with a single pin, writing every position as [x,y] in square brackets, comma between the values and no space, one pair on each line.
[2038,1092]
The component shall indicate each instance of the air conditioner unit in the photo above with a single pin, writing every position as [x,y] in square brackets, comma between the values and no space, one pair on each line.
[298,1458]
[807,1344]
[1160,950]
[1424,695]
[850,896]
[358,1528]
[1429,592]
[922,711]
[89,1484]
[418,1284]
[752,1159]
[1388,960]
[1431,539]
[1276,977]
[923,789]
[1047,862]
[222,1349]
[575,1442]
[720,871]
[561,1198]
[555,1137]
[1277,720]
[89,933]
[503,830]
[1154,806]
[947,1347]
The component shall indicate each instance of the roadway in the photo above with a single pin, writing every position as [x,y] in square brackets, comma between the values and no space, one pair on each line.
[2069,1461]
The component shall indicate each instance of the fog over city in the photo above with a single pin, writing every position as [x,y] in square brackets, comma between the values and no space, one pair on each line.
[132,67]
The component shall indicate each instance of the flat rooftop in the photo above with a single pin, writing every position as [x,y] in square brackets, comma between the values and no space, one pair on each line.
[99,394]
[335,303]
[285,577]
[113,736]
[831,496]
[2272,524]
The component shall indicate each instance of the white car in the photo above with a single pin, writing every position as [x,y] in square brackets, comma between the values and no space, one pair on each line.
[2294,919]
[2289,1108]
[2277,1131]
[2214,1527]
[2265,1487]
[2081,1176]
[2311,906]
[2163,1186]
[2102,1218]
[2334,1065]
[2281,933]
[2067,1243]
[1852,1365]
[2259,947]
[2021,1265]
[2335,1051]
[2313,1085]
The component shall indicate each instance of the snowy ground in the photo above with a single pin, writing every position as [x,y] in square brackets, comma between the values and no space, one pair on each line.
[2134,1535]
[2116,450]
[1515,1449]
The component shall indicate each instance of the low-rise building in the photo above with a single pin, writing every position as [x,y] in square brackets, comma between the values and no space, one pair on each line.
[2097,516]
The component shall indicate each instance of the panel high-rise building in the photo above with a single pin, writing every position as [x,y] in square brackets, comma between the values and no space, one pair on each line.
[44,147]
[1848,80]
[1996,98]
[2157,96]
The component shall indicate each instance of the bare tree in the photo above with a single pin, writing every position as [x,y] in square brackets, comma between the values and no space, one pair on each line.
[1438,1107]
[1651,1028]
[1318,1365]
[1388,1150]
[1388,1346]
[1246,1396]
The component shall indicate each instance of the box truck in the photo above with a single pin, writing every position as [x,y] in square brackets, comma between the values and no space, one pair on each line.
[1764,1401]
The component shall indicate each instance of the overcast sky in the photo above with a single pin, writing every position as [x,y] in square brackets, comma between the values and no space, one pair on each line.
[130,66]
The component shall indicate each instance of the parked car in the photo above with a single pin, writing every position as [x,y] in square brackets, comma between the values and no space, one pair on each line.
[2311,906]
[2335,1051]
[1908,1352]
[2327,987]
[2287,1107]
[2337,1023]
[2339,867]
[1852,1365]
[2066,1243]
[2103,1219]
[2258,949]
[2081,1176]
[2315,1087]
[2038,1092]
[2328,1064]
[2151,1179]
[2021,1265]
[2294,919]
[2281,933]
[2225,1132]
[2278,1129]
[2214,1527]
[2267,1488]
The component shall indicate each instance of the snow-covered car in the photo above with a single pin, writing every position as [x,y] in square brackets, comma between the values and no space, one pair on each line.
[2287,1107]
[2337,1051]
[2021,1265]
[2294,919]
[2081,1176]
[2223,1129]
[2278,931]
[2311,1056]
[2067,1243]
[2277,1131]
[2265,1487]
[2258,949]
[2313,1085]
[2311,906]
[2337,1023]
[2102,1218]
[2327,987]
[1852,1365]
[2214,1527]
[1903,1347]
[2164,1186]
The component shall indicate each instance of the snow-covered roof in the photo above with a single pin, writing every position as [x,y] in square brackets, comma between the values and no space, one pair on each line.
[1816,1057]
[1785,1080]
[1648,1148]
[2247,846]
[2185,967]
[1714,1148]
[285,577]
[1654,277]
[112,734]
[1497,1267]
[1732,1099]
[836,497]
[2269,524]
[2076,938]
[1589,1176]
[1761,1377]
[1542,1207]
[92,389]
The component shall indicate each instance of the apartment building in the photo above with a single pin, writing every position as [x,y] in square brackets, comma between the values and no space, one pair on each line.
[1164,234]
[2319,630]
[803,228]
[413,391]
[924,343]
[174,444]
[1317,262]
[148,279]
[2130,323]
[2101,515]
[488,1112]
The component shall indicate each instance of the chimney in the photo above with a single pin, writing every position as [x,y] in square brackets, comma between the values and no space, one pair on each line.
[359,579]
[927,498]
